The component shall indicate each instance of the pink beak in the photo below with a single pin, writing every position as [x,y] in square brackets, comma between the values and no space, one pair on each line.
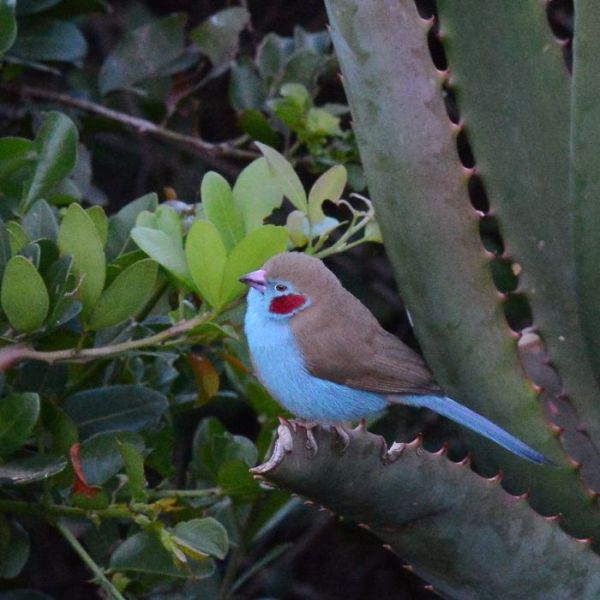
[256,280]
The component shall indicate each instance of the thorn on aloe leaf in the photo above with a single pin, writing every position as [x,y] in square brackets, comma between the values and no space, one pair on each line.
[497,478]
[586,541]
[554,518]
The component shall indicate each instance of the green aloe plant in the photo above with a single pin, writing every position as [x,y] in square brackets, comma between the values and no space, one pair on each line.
[532,127]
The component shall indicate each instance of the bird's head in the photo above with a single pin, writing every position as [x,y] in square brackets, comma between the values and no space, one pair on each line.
[288,284]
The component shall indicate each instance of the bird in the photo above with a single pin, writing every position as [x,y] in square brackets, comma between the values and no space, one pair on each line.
[323,355]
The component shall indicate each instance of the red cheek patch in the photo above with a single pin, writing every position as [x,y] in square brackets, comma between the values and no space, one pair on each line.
[284,305]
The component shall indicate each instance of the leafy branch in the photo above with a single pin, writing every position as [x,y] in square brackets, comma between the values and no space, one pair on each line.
[209,152]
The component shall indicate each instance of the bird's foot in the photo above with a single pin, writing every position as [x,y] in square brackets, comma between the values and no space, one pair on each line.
[308,426]
[343,435]
[284,444]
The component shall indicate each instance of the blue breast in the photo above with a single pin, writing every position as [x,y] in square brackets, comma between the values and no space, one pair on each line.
[282,370]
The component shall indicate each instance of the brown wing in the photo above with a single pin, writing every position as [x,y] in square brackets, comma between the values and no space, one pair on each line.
[361,354]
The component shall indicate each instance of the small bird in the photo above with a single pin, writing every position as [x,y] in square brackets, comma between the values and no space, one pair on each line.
[322,354]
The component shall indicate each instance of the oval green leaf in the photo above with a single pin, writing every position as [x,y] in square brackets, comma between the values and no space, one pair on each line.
[220,208]
[115,408]
[250,254]
[285,176]
[206,536]
[18,415]
[24,295]
[126,295]
[165,250]
[256,194]
[206,258]
[56,146]
[329,186]
[8,24]
[79,238]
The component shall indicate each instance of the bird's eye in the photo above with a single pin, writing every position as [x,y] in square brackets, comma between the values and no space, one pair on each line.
[280,287]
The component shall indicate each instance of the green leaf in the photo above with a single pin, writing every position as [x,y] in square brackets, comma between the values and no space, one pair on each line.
[144,552]
[43,39]
[206,536]
[18,415]
[31,7]
[256,194]
[304,67]
[250,254]
[58,281]
[100,220]
[165,250]
[298,227]
[40,222]
[168,221]
[298,93]
[24,295]
[206,258]
[272,54]
[441,500]
[5,248]
[143,53]
[8,24]
[31,469]
[246,89]
[134,467]
[285,176]
[419,190]
[17,557]
[100,455]
[221,210]
[78,237]
[213,446]
[218,36]
[125,296]
[121,224]
[321,122]
[115,408]
[16,236]
[235,480]
[56,146]
[329,186]
[60,426]
[257,126]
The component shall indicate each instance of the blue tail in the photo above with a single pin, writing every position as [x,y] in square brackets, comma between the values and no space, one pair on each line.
[465,416]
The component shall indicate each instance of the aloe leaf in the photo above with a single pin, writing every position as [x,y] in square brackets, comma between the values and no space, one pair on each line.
[440,516]
[432,237]
[584,172]
[509,89]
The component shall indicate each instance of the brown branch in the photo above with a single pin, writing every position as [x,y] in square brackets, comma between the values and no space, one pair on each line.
[11,355]
[211,153]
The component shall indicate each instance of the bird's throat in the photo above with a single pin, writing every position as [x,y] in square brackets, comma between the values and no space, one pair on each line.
[284,305]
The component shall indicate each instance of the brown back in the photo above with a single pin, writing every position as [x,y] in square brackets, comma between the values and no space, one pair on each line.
[359,353]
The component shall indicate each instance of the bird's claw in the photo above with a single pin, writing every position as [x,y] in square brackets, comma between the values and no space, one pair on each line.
[308,426]
[343,435]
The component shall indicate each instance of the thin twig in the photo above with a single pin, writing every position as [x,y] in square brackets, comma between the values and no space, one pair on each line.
[210,152]
[10,355]
[89,561]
